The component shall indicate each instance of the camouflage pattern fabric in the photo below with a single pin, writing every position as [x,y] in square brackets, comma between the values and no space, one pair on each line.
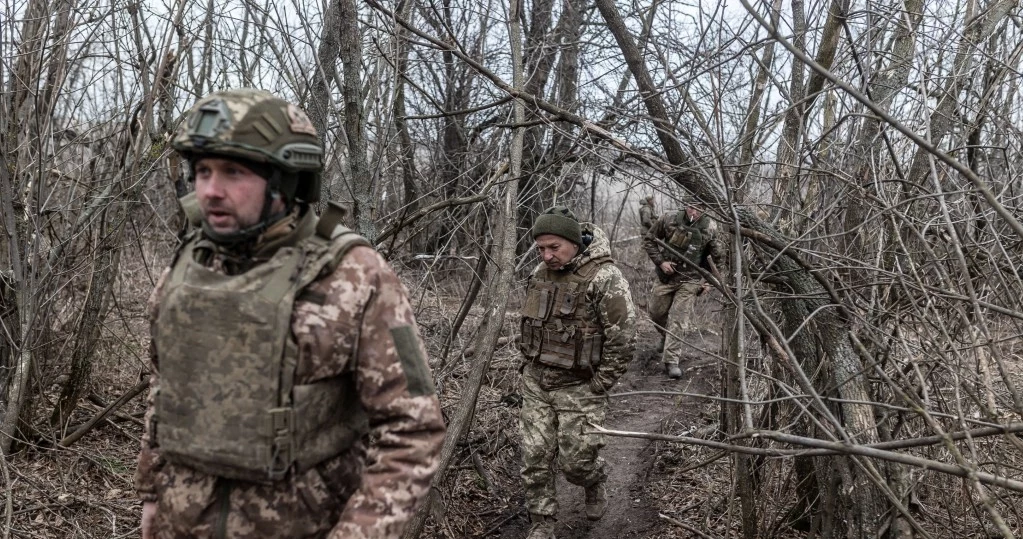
[553,423]
[671,310]
[670,225]
[671,300]
[646,216]
[351,317]
[254,125]
[609,302]
[555,408]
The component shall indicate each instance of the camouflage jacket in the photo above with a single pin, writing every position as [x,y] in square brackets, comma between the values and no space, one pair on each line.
[343,320]
[671,228]
[609,303]
[646,216]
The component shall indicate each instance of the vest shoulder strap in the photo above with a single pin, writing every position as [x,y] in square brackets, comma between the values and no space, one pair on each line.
[333,239]
[190,206]
[332,218]
[343,240]
[588,271]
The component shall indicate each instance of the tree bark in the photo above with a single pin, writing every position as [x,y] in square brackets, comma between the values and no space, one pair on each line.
[355,124]
[823,342]
[410,190]
[17,141]
[497,294]
[320,106]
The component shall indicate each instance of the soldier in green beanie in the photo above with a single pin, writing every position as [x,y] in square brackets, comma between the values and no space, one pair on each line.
[578,333]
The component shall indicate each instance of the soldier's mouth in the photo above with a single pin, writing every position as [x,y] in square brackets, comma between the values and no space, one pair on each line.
[217,218]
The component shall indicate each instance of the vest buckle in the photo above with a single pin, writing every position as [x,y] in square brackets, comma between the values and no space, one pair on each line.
[280,422]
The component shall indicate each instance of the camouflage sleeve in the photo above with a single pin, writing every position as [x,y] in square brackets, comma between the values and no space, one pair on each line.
[713,246]
[150,462]
[617,316]
[396,391]
[649,245]
[646,217]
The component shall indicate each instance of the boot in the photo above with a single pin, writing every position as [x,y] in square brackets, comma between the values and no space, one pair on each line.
[542,528]
[673,371]
[596,501]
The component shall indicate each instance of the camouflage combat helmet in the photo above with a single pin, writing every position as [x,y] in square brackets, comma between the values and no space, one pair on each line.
[256,126]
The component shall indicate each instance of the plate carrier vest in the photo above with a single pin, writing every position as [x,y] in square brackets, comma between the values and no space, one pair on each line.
[227,404]
[687,239]
[556,328]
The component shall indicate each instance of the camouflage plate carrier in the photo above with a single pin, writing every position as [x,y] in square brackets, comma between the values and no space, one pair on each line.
[556,327]
[685,239]
[227,404]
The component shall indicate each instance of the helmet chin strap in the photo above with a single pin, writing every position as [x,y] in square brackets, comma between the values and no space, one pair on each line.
[266,218]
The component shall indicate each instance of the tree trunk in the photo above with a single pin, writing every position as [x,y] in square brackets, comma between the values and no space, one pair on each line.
[540,160]
[497,296]
[734,413]
[320,106]
[17,142]
[823,342]
[355,125]
[410,190]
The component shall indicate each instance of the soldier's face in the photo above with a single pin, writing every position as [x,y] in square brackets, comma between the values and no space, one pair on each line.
[230,195]
[693,213]
[555,250]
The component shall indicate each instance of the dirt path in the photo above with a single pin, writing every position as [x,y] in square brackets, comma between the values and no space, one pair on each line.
[632,510]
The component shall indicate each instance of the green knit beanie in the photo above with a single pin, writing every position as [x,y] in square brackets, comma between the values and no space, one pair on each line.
[559,221]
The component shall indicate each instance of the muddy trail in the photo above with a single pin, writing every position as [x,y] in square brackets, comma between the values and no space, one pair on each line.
[634,510]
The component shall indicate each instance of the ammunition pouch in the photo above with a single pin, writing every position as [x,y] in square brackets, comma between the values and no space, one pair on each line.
[570,348]
[555,329]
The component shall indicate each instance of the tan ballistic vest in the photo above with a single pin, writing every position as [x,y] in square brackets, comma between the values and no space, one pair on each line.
[686,239]
[556,327]
[227,404]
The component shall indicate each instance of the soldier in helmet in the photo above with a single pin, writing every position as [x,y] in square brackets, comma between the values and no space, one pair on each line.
[578,333]
[290,391]
[690,235]
[647,213]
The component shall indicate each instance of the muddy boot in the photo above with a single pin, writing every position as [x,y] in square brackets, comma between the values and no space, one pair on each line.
[596,501]
[542,528]
[673,371]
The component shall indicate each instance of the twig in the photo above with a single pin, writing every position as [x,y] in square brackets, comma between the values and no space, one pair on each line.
[478,464]
[701,464]
[9,490]
[482,195]
[102,414]
[501,522]
[95,399]
[684,525]
[827,448]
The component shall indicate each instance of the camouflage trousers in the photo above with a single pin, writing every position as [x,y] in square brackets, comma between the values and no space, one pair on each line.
[552,423]
[671,310]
